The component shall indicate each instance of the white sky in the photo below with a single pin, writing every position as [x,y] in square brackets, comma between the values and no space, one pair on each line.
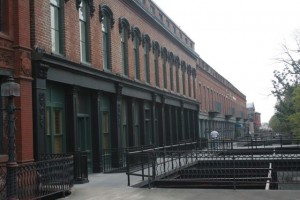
[240,39]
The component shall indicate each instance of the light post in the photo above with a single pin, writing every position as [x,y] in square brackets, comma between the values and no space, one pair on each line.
[11,89]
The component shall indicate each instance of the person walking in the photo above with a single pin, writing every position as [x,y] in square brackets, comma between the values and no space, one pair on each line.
[214,136]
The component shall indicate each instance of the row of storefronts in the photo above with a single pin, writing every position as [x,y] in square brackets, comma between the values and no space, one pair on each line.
[74,102]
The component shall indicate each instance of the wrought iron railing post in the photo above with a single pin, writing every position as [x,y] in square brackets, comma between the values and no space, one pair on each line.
[104,160]
[128,167]
[234,181]
[142,156]
[164,158]
[153,165]
[12,165]
[148,157]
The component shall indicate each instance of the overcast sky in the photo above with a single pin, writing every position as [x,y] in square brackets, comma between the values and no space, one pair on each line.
[240,39]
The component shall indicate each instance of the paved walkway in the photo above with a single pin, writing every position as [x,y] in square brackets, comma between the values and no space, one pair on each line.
[114,187]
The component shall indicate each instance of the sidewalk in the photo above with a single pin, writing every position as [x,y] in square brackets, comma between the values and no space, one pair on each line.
[114,187]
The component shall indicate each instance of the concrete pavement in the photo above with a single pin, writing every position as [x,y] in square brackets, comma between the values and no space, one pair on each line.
[114,187]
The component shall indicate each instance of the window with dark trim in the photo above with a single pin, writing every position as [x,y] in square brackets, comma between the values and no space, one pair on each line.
[84,33]
[107,22]
[124,29]
[156,52]
[194,82]
[164,55]
[177,63]
[189,73]
[146,47]
[136,38]
[171,62]
[56,26]
[183,69]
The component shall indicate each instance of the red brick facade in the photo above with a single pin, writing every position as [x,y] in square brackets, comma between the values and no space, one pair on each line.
[28,26]
[16,61]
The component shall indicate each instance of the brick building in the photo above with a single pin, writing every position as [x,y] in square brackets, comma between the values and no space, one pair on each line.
[15,60]
[108,75]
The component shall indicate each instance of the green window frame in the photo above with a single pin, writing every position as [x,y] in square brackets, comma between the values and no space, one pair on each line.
[106,18]
[55,135]
[136,36]
[124,124]
[84,33]
[124,29]
[165,73]
[56,26]
[189,72]
[148,124]
[177,63]
[194,82]
[171,62]
[183,68]
[147,47]
[156,52]
[136,124]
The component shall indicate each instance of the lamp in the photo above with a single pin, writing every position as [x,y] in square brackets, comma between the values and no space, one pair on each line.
[11,89]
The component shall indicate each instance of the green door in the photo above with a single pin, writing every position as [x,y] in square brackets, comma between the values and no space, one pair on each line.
[84,136]
[105,133]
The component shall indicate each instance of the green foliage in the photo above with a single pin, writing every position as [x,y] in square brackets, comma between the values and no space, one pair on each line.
[294,118]
[286,89]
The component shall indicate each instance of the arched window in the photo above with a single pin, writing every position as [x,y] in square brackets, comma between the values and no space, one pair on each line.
[56,26]
[189,73]
[156,52]
[177,63]
[124,29]
[136,38]
[194,82]
[171,62]
[164,56]
[106,18]
[146,47]
[183,69]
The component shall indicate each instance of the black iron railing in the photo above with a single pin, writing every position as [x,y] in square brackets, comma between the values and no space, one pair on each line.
[221,165]
[114,160]
[80,167]
[51,175]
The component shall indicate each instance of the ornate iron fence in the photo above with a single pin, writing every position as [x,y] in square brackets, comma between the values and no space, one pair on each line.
[224,167]
[2,181]
[51,175]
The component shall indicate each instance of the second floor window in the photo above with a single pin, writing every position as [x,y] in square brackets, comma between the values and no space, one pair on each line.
[124,30]
[183,68]
[194,82]
[164,63]
[106,17]
[83,25]
[146,46]
[136,37]
[189,72]
[56,30]
[156,52]
[177,62]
